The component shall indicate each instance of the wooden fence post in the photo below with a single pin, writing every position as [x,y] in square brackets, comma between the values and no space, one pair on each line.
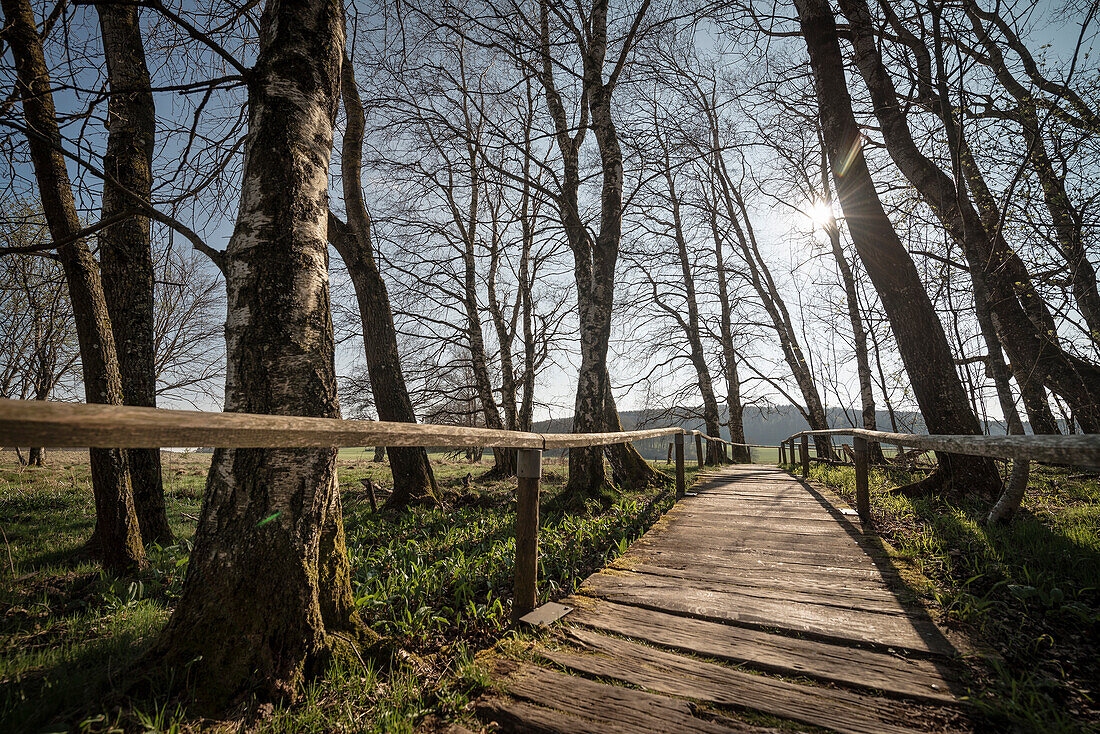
[681,482]
[782,452]
[528,469]
[863,492]
[699,450]
[669,454]
[805,456]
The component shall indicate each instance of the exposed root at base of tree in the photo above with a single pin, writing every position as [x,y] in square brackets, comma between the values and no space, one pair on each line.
[498,473]
[926,487]
[946,484]
[575,501]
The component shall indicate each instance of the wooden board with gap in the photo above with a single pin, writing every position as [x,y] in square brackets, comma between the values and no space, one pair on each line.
[755,603]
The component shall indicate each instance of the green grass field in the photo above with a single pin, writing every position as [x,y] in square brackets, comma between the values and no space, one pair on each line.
[437,582]
[1028,593]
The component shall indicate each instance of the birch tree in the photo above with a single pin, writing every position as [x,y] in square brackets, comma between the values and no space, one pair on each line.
[267,597]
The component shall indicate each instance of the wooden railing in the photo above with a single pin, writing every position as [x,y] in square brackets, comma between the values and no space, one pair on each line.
[71,425]
[1078,450]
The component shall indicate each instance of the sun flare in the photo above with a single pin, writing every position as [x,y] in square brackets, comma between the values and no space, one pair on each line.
[821,212]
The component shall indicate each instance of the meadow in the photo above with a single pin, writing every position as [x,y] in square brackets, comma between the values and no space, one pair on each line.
[436,582]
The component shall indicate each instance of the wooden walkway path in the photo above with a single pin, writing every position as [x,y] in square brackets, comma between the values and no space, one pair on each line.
[755,603]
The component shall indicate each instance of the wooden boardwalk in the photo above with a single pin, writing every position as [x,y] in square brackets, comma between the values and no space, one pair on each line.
[755,603]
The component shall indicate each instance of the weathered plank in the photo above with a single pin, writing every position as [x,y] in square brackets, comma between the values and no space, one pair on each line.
[771,585]
[885,604]
[868,669]
[823,621]
[689,568]
[760,562]
[677,675]
[773,552]
[569,704]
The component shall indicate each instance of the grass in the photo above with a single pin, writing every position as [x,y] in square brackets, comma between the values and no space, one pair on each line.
[436,581]
[1027,592]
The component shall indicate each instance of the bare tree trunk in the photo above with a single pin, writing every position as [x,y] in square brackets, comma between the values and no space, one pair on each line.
[690,326]
[859,335]
[1016,306]
[628,467]
[267,598]
[504,460]
[36,456]
[117,537]
[526,412]
[1036,403]
[882,382]
[736,418]
[917,329]
[125,252]
[505,334]
[412,472]
[761,278]
[505,331]
[593,261]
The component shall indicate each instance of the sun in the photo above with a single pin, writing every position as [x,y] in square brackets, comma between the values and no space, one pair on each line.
[821,213]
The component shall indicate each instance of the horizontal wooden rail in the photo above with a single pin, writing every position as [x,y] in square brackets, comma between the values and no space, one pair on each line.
[71,425]
[1077,449]
[730,443]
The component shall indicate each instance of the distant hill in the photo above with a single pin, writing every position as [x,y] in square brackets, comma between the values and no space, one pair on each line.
[766,427]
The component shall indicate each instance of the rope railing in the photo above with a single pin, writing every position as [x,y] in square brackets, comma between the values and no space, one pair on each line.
[1077,450]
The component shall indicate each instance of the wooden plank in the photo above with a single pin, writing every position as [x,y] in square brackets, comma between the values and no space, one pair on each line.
[779,577]
[831,623]
[892,674]
[886,604]
[567,703]
[790,563]
[836,540]
[520,717]
[546,615]
[789,586]
[673,674]
[733,552]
